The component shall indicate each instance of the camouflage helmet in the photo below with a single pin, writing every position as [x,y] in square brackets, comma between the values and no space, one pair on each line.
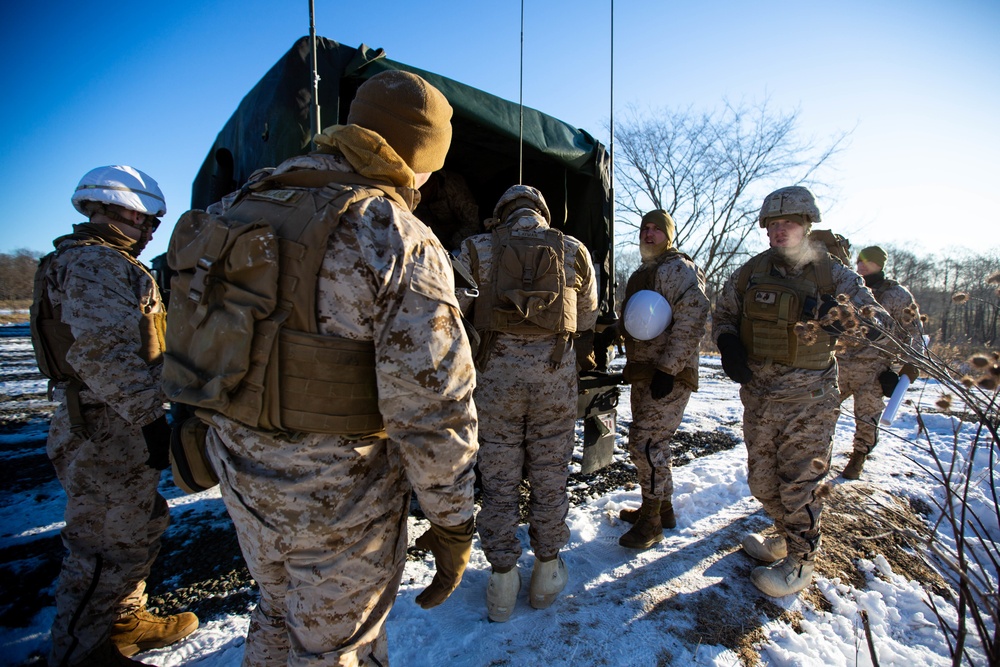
[516,198]
[784,202]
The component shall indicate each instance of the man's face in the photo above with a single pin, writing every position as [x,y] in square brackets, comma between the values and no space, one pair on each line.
[783,233]
[651,235]
[138,223]
[866,268]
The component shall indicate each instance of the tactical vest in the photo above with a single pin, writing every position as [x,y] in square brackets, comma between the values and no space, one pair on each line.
[52,338]
[242,337]
[526,289]
[773,304]
[644,278]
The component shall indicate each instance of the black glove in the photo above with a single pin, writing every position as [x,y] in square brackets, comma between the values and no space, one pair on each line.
[157,437]
[661,385]
[451,546]
[734,358]
[888,380]
[827,304]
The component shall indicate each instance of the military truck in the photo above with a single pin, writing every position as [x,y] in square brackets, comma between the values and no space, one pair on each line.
[493,141]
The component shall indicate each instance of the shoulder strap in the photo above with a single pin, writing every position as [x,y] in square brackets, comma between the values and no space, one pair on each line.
[314,178]
[758,264]
[824,274]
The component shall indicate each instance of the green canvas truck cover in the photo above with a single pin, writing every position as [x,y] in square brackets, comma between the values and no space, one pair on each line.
[569,166]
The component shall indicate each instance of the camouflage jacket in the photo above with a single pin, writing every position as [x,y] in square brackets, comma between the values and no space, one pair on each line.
[385,278]
[103,297]
[905,325]
[682,284]
[778,381]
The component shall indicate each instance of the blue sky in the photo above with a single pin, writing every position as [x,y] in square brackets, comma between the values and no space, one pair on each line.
[151,84]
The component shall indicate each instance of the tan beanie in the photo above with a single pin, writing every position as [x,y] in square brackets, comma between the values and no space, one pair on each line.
[663,221]
[412,116]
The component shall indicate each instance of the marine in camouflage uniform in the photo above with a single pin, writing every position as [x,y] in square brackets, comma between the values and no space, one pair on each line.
[790,409]
[865,370]
[108,436]
[663,371]
[527,398]
[321,519]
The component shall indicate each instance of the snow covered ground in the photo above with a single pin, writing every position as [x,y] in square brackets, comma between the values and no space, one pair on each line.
[621,607]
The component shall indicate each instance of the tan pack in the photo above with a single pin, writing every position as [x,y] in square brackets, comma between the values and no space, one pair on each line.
[836,245]
[527,289]
[242,337]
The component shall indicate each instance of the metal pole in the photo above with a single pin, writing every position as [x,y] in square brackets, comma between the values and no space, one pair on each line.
[314,117]
[611,152]
[520,109]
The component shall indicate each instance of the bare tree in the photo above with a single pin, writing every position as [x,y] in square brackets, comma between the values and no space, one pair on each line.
[709,171]
[17,273]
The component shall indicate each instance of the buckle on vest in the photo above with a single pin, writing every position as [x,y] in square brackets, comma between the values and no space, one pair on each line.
[196,291]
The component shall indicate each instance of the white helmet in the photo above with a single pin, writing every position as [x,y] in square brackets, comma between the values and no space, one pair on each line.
[647,315]
[122,186]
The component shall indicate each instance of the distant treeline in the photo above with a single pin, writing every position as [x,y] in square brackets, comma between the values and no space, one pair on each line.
[959,292]
[17,273]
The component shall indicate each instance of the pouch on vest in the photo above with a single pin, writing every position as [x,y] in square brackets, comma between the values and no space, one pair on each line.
[771,310]
[242,335]
[50,338]
[192,470]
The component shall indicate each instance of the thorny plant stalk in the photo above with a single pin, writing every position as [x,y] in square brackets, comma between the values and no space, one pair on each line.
[972,563]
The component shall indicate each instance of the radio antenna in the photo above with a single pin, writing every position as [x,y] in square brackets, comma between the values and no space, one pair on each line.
[520,109]
[314,119]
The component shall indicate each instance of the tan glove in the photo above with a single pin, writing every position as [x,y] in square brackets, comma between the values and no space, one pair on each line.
[584,347]
[910,371]
[451,546]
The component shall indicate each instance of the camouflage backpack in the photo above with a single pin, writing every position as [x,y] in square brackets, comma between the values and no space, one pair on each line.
[835,244]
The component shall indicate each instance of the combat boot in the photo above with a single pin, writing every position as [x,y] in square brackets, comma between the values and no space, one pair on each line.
[766,549]
[667,518]
[143,630]
[108,655]
[854,466]
[648,528]
[501,594]
[548,579]
[785,577]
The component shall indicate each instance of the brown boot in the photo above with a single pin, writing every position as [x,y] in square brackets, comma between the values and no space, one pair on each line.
[854,466]
[648,529]
[142,631]
[108,655]
[667,518]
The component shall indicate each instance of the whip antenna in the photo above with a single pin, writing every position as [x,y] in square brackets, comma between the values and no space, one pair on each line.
[314,119]
[611,142]
[611,154]
[520,109]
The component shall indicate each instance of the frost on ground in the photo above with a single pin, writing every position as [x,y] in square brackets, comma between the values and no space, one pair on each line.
[686,601]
